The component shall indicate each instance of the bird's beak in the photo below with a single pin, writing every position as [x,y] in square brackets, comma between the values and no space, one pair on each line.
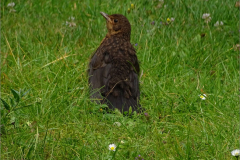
[105,16]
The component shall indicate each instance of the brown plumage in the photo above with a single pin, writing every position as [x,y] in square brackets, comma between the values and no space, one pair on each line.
[113,69]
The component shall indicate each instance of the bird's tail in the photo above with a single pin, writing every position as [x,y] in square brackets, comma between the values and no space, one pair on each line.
[122,103]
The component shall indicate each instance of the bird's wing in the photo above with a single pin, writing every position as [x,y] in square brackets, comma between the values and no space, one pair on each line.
[95,76]
[106,83]
[131,52]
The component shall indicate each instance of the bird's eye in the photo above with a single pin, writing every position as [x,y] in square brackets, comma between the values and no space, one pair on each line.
[115,20]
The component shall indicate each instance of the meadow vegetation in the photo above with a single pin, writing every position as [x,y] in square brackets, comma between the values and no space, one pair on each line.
[45,109]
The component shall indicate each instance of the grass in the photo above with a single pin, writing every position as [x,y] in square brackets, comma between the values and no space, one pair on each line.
[48,113]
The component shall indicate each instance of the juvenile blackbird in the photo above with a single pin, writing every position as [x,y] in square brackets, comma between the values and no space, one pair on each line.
[113,68]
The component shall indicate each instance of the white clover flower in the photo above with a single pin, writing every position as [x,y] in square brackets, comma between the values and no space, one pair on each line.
[172,19]
[236,47]
[71,24]
[203,97]
[160,4]
[12,4]
[206,17]
[117,124]
[112,147]
[236,152]
[217,24]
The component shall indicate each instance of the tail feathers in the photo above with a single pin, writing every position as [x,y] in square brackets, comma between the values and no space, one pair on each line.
[122,103]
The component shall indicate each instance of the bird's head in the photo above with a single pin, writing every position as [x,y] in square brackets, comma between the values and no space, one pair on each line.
[117,24]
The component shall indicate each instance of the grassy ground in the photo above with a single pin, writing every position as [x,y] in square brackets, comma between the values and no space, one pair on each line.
[48,113]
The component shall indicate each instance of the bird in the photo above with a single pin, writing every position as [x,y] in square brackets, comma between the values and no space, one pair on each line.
[114,68]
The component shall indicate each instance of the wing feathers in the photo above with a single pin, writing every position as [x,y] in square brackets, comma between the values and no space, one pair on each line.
[113,75]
